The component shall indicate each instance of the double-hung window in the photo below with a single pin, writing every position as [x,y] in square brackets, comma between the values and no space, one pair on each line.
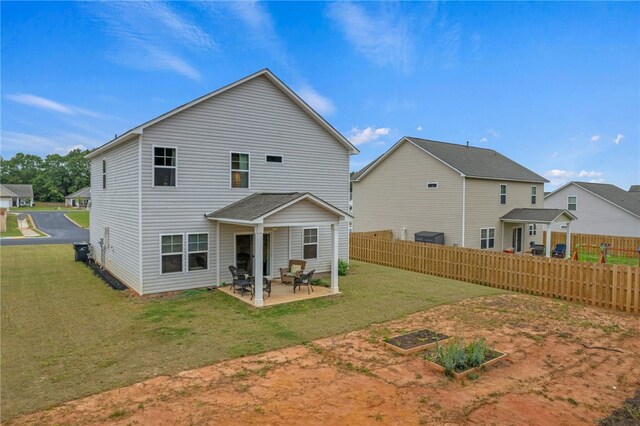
[171,251]
[198,251]
[310,243]
[487,238]
[239,170]
[164,166]
[503,194]
[572,203]
[534,194]
[532,229]
[104,174]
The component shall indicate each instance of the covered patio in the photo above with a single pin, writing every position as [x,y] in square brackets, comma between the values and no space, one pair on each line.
[541,216]
[265,212]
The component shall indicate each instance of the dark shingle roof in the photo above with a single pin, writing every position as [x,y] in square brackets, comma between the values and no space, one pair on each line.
[634,188]
[472,161]
[82,193]
[255,205]
[629,201]
[21,190]
[6,192]
[534,215]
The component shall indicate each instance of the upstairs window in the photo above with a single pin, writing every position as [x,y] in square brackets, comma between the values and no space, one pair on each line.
[239,170]
[487,238]
[503,194]
[572,203]
[171,252]
[104,174]
[164,166]
[310,243]
[534,194]
[274,159]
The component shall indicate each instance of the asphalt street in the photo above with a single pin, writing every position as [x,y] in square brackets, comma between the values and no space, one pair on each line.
[61,229]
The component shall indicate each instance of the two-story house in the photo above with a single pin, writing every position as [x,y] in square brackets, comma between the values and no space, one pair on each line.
[248,175]
[602,208]
[476,197]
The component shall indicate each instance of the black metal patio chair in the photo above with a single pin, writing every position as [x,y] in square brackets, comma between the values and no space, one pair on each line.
[304,279]
[240,280]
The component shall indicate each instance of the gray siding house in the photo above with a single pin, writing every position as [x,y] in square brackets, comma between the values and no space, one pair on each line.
[601,208]
[248,175]
[80,198]
[477,197]
[21,194]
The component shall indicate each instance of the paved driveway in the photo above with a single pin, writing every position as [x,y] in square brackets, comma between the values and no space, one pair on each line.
[61,229]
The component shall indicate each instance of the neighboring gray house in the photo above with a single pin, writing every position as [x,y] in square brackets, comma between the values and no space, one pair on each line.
[80,198]
[601,208]
[6,197]
[22,194]
[477,197]
[249,171]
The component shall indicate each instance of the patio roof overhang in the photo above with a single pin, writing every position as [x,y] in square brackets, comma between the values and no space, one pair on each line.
[546,216]
[263,209]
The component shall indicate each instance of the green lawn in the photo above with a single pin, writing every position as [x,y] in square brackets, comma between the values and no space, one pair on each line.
[615,260]
[81,217]
[65,334]
[12,227]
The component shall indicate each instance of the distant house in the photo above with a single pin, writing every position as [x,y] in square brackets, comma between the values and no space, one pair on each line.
[248,175]
[476,197]
[22,195]
[601,208]
[6,197]
[80,198]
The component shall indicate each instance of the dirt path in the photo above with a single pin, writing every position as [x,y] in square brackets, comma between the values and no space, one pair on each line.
[549,378]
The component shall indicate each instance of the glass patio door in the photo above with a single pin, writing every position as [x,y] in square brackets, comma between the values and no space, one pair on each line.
[245,253]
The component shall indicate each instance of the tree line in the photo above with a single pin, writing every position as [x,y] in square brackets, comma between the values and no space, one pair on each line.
[52,177]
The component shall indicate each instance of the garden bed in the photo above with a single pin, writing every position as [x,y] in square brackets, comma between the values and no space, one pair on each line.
[491,357]
[415,341]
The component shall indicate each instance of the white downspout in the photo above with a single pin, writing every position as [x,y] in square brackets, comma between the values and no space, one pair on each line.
[464,206]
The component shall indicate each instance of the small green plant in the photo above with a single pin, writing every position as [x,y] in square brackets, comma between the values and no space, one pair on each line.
[258,409]
[457,357]
[476,352]
[343,267]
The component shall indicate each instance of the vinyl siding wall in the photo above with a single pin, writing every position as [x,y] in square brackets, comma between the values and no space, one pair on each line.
[255,118]
[483,210]
[116,207]
[595,215]
[395,195]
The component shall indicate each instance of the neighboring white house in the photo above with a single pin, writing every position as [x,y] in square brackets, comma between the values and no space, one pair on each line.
[476,197]
[601,208]
[6,197]
[80,198]
[21,194]
[249,171]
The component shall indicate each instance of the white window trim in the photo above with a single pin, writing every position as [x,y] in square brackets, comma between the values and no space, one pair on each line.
[231,170]
[432,183]
[153,167]
[208,251]
[576,203]
[534,193]
[162,254]
[317,243]
[501,194]
[488,238]
[532,229]
[272,162]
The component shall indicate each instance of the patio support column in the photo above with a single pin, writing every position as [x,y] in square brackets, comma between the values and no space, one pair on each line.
[334,258]
[547,245]
[568,241]
[258,242]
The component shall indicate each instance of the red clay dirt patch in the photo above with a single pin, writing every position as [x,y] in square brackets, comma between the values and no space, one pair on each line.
[549,377]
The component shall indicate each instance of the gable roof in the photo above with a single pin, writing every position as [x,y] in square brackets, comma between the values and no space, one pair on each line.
[82,193]
[536,215]
[259,205]
[136,131]
[469,161]
[625,200]
[20,190]
[6,193]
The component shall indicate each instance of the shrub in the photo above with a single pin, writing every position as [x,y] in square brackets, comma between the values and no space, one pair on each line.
[343,267]
[476,352]
[455,356]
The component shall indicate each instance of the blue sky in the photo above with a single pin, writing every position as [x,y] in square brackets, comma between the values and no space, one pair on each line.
[554,86]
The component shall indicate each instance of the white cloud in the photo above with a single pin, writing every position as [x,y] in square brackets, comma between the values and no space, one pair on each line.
[493,133]
[590,174]
[558,177]
[419,128]
[484,140]
[320,103]
[370,134]
[618,138]
[595,138]
[13,142]
[385,38]
[50,105]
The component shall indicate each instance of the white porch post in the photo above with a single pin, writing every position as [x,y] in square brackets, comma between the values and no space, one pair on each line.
[547,247]
[334,258]
[568,240]
[258,242]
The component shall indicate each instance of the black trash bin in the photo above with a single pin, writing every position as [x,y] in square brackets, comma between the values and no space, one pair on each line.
[82,251]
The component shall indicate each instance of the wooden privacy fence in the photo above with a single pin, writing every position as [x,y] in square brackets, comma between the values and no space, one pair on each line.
[627,246]
[604,285]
